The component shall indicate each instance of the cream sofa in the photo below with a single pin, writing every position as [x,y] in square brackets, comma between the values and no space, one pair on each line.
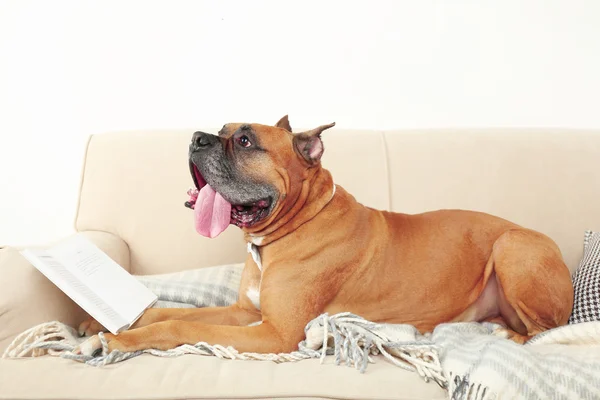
[131,204]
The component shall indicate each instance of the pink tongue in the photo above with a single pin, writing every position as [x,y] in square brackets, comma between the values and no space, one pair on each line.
[212,213]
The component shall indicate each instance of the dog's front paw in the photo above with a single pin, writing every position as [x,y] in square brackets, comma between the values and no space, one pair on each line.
[90,327]
[93,345]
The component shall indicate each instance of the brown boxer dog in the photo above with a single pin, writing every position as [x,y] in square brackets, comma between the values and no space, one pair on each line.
[319,250]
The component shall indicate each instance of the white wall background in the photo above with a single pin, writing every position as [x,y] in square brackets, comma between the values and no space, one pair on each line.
[72,68]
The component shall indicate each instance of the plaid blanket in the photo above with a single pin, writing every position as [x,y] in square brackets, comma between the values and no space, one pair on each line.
[563,363]
[467,359]
[204,287]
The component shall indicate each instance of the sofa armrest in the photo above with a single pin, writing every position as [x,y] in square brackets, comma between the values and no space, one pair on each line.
[28,298]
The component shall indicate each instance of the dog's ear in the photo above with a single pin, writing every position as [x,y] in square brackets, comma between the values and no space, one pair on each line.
[284,123]
[309,144]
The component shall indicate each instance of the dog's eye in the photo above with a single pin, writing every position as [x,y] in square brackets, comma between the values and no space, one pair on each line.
[244,141]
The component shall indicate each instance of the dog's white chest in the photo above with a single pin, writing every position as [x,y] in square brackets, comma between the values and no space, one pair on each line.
[253,250]
[253,293]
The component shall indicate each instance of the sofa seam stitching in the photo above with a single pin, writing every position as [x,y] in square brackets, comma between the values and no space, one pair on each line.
[82,182]
[387,169]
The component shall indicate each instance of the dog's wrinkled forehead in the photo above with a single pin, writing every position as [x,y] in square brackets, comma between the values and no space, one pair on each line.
[229,130]
[255,131]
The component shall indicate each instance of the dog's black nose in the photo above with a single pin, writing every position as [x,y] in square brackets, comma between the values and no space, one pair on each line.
[203,139]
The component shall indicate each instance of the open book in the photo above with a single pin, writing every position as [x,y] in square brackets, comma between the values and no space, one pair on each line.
[94,281]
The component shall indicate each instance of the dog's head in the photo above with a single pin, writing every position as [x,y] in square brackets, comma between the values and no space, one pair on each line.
[248,174]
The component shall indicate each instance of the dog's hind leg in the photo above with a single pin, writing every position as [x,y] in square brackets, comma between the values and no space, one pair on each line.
[535,289]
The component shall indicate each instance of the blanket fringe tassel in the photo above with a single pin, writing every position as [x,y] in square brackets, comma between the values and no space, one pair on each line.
[349,338]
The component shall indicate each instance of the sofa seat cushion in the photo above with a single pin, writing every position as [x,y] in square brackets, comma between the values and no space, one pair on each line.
[200,377]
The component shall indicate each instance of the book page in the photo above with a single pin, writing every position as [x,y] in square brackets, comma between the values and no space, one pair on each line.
[72,286]
[107,279]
